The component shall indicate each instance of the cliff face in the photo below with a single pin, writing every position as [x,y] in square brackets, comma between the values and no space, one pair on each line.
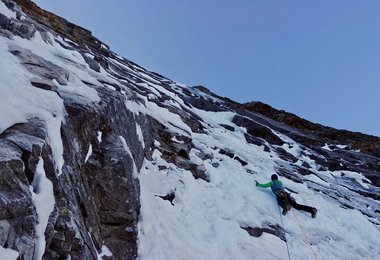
[82,128]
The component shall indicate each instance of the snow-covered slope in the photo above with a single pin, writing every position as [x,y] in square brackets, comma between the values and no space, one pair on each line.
[205,219]
[102,159]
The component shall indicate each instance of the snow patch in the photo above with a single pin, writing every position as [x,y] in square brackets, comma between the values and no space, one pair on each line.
[43,200]
[8,254]
[326,147]
[105,252]
[99,136]
[353,175]
[89,153]
[140,135]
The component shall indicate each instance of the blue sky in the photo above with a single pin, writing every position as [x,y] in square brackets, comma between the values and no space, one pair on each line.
[317,59]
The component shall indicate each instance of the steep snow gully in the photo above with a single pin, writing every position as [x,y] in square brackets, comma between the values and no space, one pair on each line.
[102,159]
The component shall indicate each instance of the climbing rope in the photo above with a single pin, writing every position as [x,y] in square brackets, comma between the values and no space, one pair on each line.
[304,234]
[282,223]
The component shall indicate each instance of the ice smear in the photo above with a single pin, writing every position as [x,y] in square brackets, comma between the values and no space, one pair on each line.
[43,200]
[89,153]
[128,150]
[140,135]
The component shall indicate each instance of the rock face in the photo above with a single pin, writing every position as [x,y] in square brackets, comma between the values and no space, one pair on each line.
[107,136]
[21,145]
[366,144]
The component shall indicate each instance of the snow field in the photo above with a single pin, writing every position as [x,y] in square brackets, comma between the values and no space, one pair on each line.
[206,219]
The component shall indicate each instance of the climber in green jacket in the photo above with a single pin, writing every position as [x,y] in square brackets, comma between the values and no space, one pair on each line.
[283,198]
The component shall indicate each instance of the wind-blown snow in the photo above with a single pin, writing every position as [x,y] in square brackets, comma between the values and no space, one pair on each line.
[43,200]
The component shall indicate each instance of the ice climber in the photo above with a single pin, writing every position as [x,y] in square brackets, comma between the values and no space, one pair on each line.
[283,198]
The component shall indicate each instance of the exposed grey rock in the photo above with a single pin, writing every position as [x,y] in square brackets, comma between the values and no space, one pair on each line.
[4,21]
[12,5]
[169,197]
[91,62]
[5,228]
[22,28]
[39,66]
[241,161]
[228,127]
[257,129]
[46,37]
[254,140]
[273,229]
[44,84]
[107,176]
[226,153]
[6,34]
[21,145]
[283,154]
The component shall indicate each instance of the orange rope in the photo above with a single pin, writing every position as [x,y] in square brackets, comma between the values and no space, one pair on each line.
[304,234]
[306,238]
[283,227]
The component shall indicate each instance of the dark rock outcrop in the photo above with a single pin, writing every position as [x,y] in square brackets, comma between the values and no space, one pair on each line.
[21,146]
[169,197]
[273,229]
[257,129]
[356,141]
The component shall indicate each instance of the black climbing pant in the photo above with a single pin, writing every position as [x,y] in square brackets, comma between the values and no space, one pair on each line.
[284,200]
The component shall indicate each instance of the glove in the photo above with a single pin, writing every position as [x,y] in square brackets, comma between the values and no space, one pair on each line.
[257,183]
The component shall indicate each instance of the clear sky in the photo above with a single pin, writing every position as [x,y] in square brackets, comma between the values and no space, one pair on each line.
[317,59]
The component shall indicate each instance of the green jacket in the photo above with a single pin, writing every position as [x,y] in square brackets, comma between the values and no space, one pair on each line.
[275,185]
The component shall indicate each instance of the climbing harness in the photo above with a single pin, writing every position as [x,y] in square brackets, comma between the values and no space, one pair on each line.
[282,223]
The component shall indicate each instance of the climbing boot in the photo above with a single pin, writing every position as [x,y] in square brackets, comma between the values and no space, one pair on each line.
[286,209]
[314,212]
